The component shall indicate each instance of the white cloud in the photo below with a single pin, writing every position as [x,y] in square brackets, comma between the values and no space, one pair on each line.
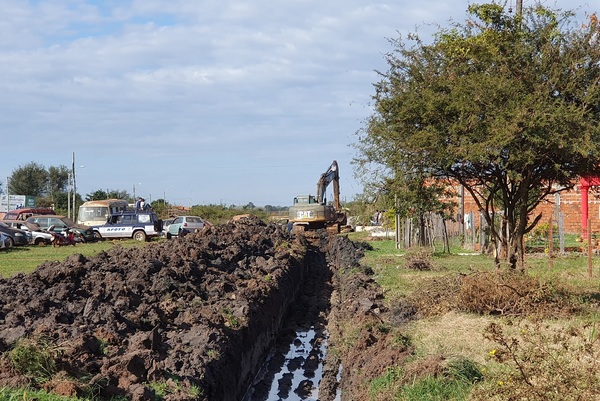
[168,93]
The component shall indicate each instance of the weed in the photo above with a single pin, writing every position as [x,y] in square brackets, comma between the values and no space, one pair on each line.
[162,389]
[103,345]
[230,319]
[435,389]
[8,394]
[385,382]
[35,358]
[465,370]
[213,354]
[402,341]
[543,362]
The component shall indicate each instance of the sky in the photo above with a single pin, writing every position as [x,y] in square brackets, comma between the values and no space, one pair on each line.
[201,102]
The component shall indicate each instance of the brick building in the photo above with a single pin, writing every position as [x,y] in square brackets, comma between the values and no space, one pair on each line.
[568,203]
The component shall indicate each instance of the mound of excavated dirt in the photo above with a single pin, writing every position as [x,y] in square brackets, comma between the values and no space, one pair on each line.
[194,314]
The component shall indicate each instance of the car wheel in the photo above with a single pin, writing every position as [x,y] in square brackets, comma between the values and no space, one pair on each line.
[169,236]
[139,236]
[10,242]
[39,241]
[97,236]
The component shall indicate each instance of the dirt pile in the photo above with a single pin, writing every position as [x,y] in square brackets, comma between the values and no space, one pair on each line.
[187,319]
[192,316]
[360,326]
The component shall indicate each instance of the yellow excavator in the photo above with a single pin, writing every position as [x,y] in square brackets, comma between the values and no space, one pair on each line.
[313,212]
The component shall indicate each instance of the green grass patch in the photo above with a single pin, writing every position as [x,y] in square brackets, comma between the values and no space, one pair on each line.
[8,394]
[436,389]
[25,259]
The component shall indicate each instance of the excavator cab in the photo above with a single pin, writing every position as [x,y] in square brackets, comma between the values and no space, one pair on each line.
[305,200]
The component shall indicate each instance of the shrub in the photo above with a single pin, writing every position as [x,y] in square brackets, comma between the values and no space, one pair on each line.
[539,362]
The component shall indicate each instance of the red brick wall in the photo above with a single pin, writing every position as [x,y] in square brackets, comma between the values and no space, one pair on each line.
[570,206]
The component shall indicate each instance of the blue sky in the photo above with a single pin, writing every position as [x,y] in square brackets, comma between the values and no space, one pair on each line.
[202,102]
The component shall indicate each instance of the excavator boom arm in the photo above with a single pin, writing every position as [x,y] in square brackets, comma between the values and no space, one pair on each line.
[331,175]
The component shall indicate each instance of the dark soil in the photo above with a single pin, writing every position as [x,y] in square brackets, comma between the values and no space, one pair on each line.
[194,316]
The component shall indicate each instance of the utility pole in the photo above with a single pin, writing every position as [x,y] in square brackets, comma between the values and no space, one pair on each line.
[519,7]
[74,190]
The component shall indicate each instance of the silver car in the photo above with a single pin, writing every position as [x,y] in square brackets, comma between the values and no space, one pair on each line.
[185,224]
[38,237]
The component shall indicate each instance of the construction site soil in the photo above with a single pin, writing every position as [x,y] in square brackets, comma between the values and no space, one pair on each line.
[194,316]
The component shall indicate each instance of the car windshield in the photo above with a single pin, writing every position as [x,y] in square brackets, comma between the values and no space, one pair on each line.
[68,222]
[92,213]
[194,220]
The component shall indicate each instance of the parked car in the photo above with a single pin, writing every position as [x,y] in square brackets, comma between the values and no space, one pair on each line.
[24,214]
[15,236]
[139,225]
[39,237]
[185,224]
[61,223]
[166,224]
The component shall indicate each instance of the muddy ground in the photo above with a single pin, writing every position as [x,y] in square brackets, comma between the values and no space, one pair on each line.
[188,319]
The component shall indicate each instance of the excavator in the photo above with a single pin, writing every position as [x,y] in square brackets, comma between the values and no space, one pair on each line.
[313,212]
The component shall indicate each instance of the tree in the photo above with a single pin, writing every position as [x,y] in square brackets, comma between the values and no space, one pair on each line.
[61,202]
[58,181]
[119,194]
[31,179]
[100,194]
[506,105]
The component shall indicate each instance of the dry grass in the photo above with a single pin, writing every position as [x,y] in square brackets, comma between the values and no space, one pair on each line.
[495,293]
[533,334]
[451,334]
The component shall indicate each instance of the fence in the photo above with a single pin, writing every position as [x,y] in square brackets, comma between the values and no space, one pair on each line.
[471,233]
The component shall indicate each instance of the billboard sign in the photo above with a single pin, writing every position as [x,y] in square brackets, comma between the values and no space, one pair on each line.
[16,202]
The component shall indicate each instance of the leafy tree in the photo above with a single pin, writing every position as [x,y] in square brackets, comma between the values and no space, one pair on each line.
[58,180]
[161,207]
[61,202]
[119,194]
[31,179]
[100,194]
[506,105]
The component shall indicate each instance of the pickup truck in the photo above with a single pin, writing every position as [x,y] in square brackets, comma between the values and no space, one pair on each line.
[139,225]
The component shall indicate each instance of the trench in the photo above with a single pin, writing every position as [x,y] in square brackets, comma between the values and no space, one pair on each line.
[294,366]
[292,372]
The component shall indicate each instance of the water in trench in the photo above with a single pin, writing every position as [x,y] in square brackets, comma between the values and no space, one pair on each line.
[292,372]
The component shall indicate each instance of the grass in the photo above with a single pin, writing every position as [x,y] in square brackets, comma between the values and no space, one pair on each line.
[7,394]
[25,259]
[513,357]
